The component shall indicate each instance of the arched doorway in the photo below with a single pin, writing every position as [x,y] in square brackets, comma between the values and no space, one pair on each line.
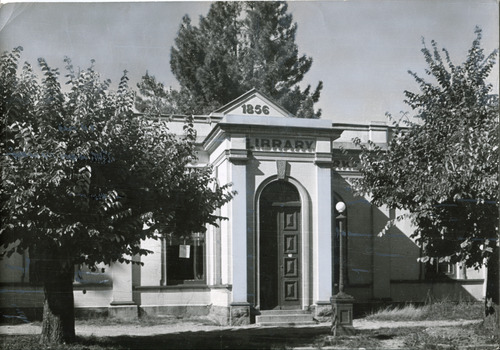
[280,247]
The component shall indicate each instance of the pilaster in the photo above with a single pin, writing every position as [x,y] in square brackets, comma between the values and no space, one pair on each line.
[323,223]
[238,159]
[123,305]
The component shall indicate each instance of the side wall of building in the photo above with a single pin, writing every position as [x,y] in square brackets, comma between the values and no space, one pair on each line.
[385,267]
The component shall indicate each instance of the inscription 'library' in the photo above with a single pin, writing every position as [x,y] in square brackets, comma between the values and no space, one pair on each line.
[280,143]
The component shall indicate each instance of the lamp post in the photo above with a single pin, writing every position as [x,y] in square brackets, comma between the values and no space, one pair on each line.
[341,302]
[340,207]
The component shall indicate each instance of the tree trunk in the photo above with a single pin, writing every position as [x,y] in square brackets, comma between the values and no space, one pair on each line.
[492,287]
[58,309]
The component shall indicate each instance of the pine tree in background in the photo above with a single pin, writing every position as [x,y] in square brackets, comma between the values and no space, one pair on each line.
[270,59]
[237,46]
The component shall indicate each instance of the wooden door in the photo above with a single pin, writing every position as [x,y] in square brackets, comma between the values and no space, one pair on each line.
[280,275]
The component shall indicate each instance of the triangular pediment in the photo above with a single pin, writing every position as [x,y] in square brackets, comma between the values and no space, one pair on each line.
[252,103]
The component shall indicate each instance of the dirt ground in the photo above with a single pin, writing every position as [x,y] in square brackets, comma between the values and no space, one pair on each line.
[450,329]
[139,330]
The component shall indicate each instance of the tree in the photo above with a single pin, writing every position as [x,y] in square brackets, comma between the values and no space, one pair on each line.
[82,174]
[442,168]
[237,46]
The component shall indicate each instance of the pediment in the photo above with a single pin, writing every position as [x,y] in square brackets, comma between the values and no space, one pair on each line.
[252,103]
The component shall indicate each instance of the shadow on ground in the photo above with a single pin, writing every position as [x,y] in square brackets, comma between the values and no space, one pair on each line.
[249,338]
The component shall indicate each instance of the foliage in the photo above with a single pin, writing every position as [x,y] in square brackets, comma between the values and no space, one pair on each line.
[442,169]
[437,310]
[155,98]
[237,46]
[82,174]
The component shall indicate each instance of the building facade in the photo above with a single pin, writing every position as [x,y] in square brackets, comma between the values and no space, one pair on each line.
[279,247]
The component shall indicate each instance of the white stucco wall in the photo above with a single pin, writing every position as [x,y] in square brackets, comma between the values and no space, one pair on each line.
[150,272]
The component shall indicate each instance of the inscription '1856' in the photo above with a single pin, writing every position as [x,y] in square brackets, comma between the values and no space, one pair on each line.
[255,109]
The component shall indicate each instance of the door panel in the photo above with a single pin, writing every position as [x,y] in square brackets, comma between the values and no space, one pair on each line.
[288,256]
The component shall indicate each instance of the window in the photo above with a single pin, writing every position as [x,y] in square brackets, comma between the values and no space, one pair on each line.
[84,275]
[440,270]
[185,260]
[447,269]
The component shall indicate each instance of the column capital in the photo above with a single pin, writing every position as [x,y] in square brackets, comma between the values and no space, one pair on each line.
[237,156]
[323,162]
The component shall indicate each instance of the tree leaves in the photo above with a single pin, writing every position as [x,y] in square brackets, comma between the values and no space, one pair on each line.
[82,173]
[443,169]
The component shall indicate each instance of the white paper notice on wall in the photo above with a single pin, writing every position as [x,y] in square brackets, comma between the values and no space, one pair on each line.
[184,251]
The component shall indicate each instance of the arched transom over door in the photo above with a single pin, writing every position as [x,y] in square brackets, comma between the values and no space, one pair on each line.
[279,247]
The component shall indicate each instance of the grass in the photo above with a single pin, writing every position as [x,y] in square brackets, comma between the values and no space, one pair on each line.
[18,342]
[365,339]
[477,336]
[146,321]
[482,335]
[438,310]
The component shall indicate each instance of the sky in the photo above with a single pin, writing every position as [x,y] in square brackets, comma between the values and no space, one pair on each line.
[361,49]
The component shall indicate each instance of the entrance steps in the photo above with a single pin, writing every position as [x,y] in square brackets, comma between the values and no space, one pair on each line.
[279,318]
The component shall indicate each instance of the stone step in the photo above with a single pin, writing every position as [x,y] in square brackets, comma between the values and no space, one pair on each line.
[284,318]
[286,324]
[285,312]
